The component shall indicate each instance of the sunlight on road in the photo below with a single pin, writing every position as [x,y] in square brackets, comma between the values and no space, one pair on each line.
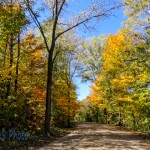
[91,136]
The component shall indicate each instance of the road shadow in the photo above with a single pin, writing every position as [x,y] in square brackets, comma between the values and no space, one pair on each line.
[95,136]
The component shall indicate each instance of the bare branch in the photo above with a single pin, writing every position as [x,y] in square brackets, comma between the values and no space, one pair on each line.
[86,20]
[55,25]
[56,11]
[33,15]
[61,7]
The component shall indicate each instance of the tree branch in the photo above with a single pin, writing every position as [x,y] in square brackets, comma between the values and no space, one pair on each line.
[61,7]
[86,20]
[33,16]
[56,55]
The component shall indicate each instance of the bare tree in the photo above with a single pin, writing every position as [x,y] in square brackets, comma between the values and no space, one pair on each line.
[57,8]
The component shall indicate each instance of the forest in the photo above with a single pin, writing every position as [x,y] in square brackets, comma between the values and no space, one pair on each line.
[42,55]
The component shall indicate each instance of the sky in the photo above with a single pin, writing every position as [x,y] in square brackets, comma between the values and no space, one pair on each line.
[108,26]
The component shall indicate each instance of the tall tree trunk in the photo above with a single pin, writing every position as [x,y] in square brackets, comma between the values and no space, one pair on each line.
[49,92]
[68,117]
[17,64]
[4,64]
[10,66]
[10,59]
[2,86]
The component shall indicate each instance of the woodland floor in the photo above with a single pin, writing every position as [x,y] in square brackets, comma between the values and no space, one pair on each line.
[92,136]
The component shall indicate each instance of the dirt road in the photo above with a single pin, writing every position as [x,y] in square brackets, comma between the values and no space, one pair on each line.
[91,136]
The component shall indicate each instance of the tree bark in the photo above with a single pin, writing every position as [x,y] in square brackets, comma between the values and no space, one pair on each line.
[17,64]
[10,65]
[4,64]
[10,59]
[49,92]
[68,117]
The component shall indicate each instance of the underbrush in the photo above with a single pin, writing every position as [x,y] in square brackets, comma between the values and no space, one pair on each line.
[34,140]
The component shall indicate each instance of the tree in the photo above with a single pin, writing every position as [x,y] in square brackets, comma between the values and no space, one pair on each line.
[12,20]
[90,57]
[64,102]
[122,87]
[138,13]
[57,8]
[65,69]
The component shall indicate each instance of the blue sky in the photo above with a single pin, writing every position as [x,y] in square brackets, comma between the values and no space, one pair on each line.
[108,26]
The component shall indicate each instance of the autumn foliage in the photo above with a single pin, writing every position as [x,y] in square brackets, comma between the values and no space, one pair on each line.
[23,75]
[122,88]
